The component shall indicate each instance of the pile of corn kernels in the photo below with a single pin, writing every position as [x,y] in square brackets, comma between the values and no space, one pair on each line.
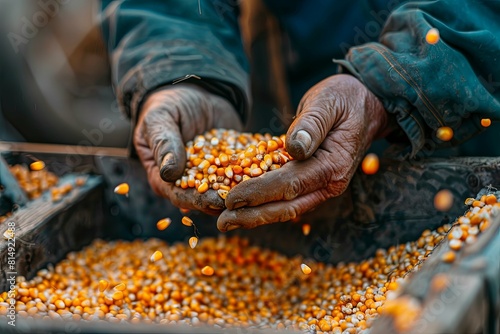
[33,182]
[220,159]
[246,287]
[227,283]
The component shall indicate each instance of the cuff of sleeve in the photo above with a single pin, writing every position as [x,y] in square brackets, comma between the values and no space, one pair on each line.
[227,80]
[410,122]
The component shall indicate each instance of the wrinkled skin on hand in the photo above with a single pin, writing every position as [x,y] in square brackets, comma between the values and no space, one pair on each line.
[169,118]
[336,122]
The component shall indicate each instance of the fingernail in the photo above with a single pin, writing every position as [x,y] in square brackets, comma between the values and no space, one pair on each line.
[168,159]
[304,138]
[230,227]
[238,205]
[167,162]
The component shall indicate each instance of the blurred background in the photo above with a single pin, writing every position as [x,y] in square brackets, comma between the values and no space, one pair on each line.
[55,77]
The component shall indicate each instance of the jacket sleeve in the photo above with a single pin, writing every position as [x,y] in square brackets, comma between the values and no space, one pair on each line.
[153,43]
[452,83]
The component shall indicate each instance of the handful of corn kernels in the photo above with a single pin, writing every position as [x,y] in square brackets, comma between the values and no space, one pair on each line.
[220,159]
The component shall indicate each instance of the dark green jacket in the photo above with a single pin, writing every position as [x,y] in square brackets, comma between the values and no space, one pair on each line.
[455,82]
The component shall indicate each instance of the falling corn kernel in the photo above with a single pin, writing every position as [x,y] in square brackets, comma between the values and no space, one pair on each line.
[157,255]
[443,200]
[444,133]
[162,224]
[187,221]
[103,285]
[448,257]
[306,229]
[432,36]
[80,181]
[37,165]
[305,269]
[120,287]
[485,122]
[370,164]
[193,241]
[9,234]
[439,282]
[207,271]
[122,189]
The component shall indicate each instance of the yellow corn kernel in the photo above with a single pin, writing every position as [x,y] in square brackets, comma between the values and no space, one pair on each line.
[103,285]
[370,164]
[448,257]
[455,244]
[193,241]
[157,255]
[432,36]
[203,187]
[187,221]
[207,271]
[306,229]
[222,193]
[229,172]
[485,122]
[162,224]
[122,189]
[444,133]
[117,295]
[305,269]
[37,165]
[443,200]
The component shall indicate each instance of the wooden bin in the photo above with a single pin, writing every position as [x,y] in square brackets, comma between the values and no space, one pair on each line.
[393,206]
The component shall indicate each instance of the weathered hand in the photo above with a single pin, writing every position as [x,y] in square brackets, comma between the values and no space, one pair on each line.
[336,122]
[169,118]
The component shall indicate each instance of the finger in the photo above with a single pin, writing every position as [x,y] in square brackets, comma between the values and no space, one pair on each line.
[282,211]
[317,114]
[294,179]
[225,116]
[209,202]
[164,138]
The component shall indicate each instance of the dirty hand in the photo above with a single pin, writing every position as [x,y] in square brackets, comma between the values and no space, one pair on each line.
[168,119]
[336,122]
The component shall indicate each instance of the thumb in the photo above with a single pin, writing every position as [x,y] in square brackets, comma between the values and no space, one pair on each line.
[317,114]
[164,139]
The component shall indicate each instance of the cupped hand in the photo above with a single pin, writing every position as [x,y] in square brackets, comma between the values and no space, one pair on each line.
[336,122]
[169,118]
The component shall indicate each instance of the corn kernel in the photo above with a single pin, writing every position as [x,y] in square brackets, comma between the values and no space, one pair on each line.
[444,133]
[485,122]
[157,255]
[162,224]
[122,189]
[443,200]
[103,285]
[187,221]
[305,269]
[306,229]
[432,36]
[370,164]
[193,241]
[37,165]
[207,271]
